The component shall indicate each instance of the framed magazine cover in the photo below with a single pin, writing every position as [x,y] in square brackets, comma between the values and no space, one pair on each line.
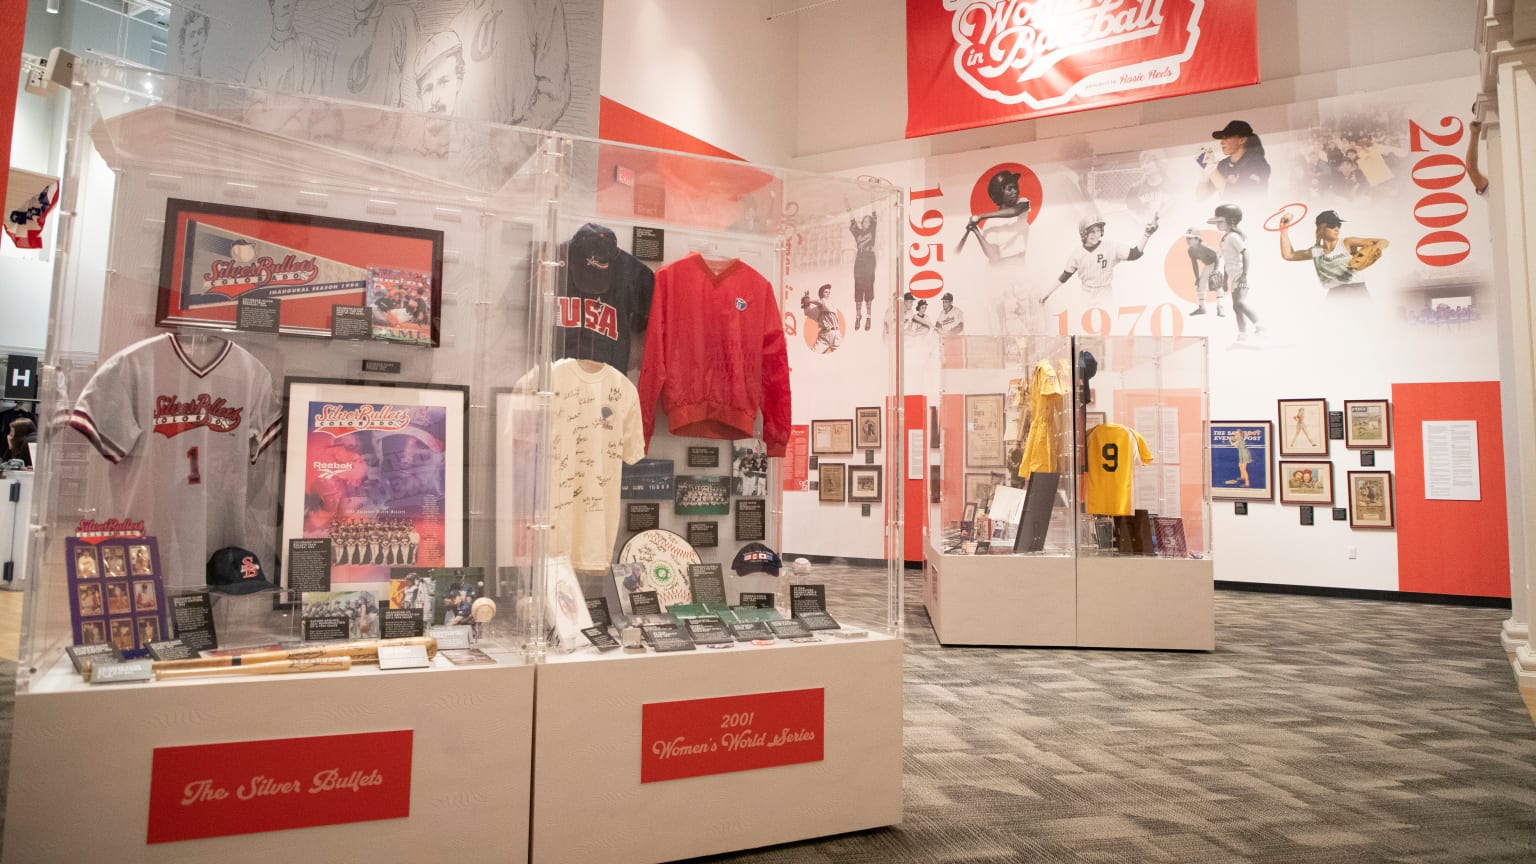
[387,278]
[1303,427]
[1370,499]
[379,471]
[1242,453]
[1306,483]
[1367,424]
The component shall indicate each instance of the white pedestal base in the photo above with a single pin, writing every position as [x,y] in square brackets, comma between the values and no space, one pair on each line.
[1001,599]
[589,803]
[1129,602]
[80,763]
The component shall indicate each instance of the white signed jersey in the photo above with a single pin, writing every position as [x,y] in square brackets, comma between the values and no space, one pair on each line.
[182,438]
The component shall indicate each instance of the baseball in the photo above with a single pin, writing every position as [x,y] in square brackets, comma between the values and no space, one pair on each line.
[243,251]
[482,610]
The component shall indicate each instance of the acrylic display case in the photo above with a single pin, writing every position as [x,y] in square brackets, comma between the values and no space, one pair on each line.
[1109,549]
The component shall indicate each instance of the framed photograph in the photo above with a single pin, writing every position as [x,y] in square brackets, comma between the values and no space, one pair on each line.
[378,469]
[866,422]
[702,495]
[984,445]
[1241,456]
[1306,483]
[833,480]
[1367,424]
[832,437]
[213,256]
[1303,427]
[978,488]
[1094,418]
[864,482]
[1370,499]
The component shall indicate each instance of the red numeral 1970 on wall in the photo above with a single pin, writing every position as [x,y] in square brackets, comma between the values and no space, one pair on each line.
[1440,209]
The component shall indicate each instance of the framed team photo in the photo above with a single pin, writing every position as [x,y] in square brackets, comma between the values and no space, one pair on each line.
[1241,455]
[1370,499]
[866,422]
[1306,483]
[1303,427]
[377,469]
[832,437]
[213,256]
[1367,424]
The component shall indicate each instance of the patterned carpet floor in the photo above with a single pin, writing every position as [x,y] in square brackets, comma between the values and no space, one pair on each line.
[1320,730]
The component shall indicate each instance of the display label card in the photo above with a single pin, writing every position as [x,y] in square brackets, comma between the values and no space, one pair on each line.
[247,787]
[707,631]
[703,457]
[807,598]
[817,621]
[104,653]
[309,564]
[1336,425]
[597,607]
[703,535]
[1306,514]
[1240,508]
[700,737]
[333,628]
[403,657]
[116,673]
[382,367]
[351,322]
[751,519]
[192,620]
[645,602]
[648,478]
[642,516]
[668,637]
[756,599]
[600,638]
[467,657]
[170,649]
[401,623]
[451,636]
[792,628]
[1367,458]
[649,244]
[257,314]
[1340,514]
[708,582]
[746,631]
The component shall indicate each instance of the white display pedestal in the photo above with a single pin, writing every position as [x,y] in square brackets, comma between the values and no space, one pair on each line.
[81,756]
[1001,599]
[1133,602]
[590,806]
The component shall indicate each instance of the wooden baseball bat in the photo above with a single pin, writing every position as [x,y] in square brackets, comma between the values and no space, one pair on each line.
[361,651]
[324,664]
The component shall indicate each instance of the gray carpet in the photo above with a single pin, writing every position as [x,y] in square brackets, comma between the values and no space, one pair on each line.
[1321,730]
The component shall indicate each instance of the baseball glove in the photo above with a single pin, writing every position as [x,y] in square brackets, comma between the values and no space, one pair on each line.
[1364,256]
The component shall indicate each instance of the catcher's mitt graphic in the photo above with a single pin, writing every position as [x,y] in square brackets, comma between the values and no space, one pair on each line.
[1364,256]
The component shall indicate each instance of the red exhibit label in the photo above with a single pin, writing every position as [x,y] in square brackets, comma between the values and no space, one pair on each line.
[795,468]
[246,787]
[978,62]
[697,737]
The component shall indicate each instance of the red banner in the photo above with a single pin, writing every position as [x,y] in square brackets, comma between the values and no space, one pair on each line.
[245,787]
[979,62]
[697,737]
[794,467]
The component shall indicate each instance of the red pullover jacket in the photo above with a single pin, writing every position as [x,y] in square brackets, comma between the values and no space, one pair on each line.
[715,355]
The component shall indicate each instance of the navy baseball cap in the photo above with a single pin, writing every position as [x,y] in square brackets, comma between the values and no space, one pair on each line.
[756,558]
[1330,218]
[233,570]
[1234,129]
[593,256]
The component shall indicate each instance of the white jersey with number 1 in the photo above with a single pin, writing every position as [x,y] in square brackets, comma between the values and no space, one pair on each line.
[182,438]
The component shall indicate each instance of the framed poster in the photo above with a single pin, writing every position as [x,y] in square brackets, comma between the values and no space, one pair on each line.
[378,470]
[215,255]
[864,482]
[1370,499]
[978,488]
[1367,424]
[866,423]
[984,430]
[1241,456]
[832,437]
[1303,427]
[833,482]
[1306,483]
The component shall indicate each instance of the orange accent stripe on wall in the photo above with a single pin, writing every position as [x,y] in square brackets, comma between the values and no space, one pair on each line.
[1450,547]
[619,122]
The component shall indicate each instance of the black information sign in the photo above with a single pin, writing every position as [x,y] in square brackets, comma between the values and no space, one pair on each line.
[649,244]
[817,621]
[309,564]
[170,649]
[192,619]
[702,535]
[351,322]
[1340,514]
[751,519]
[1240,508]
[600,638]
[1306,514]
[807,598]
[645,602]
[258,314]
[746,631]
[1367,458]
[642,516]
[708,583]
[703,457]
[598,608]
[790,629]
[756,599]
[21,378]
[384,367]
[401,623]
[333,628]
[1336,425]
[708,631]
[667,637]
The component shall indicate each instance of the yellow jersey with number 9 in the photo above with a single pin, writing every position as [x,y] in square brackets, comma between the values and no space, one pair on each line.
[1112,451]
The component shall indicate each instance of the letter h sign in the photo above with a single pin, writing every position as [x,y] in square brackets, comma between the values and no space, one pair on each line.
[21,377]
